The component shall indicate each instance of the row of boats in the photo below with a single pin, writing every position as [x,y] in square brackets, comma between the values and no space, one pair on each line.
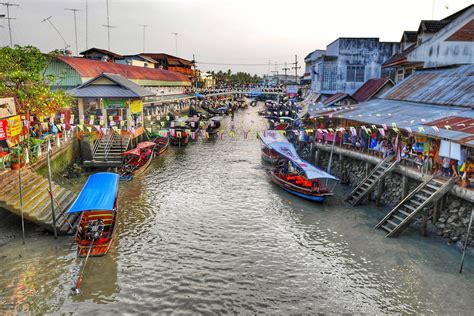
[290,172]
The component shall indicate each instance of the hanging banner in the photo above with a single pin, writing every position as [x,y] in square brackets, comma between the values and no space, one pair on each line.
[14,126]
[3,129]
[7,107]
[136,106]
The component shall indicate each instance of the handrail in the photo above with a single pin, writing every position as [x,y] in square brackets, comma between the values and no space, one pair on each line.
[109,144]
[96,144]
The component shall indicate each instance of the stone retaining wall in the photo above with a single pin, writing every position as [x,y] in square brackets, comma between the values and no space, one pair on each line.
[449,218]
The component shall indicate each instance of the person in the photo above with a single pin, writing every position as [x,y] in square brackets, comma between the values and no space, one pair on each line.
[454,168]
[445,164]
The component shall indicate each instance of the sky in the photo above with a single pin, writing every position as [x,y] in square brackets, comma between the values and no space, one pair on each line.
[241,35]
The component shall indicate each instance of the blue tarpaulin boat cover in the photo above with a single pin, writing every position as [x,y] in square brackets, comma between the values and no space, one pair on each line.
[288,151]
[268,137]
[98,193]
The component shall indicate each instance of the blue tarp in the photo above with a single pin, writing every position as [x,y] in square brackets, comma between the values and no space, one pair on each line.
[98,193]
[288,151]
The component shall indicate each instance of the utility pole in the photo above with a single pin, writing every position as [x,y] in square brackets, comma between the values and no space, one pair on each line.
[87,26]
[8,5]
[75,27]
[286,77]
[144,26]
[296,69]
[66,45]
[176,43]
[108,26]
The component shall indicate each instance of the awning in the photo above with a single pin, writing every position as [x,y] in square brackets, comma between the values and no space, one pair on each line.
[143,145]
[268,137]
[288,151]
[98,194]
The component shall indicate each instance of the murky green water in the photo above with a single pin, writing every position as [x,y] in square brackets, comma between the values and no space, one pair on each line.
[204,231]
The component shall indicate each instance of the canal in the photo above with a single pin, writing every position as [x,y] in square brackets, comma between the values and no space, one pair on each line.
[205,231]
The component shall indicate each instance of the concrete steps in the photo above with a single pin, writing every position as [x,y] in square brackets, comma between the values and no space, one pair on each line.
[36,200]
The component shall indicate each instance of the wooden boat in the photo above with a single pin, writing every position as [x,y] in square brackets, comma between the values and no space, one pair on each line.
[266,138]
[179,132]
[162,145]
[299,185]
[98,205]
[292,173]
[137,160]
[214,125]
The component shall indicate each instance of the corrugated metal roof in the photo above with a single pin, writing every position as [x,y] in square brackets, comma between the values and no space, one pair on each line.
[369,88]
[88,68]
[447,86]
[335,97]
[407,115]
[398,58]
[123,88]
[102,51]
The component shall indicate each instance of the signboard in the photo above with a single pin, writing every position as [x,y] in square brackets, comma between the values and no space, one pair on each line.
[3,129]
[14,126]
[115,104]
[450,150]
[292,91]
[7,107]
[136,106]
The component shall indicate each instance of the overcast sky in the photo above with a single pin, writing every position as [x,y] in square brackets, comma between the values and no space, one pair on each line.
[221,32]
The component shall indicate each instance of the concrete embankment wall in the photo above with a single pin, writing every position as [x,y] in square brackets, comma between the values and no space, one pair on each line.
[448,218]
[60,160]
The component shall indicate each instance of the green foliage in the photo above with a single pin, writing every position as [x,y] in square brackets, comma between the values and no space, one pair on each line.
[237,78]
[21,77]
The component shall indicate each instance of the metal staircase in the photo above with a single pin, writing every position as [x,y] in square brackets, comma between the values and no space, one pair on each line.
[108,149]
[428,192]
[369,183]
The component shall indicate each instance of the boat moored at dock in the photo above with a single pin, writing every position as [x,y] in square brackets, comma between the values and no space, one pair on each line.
[98,206]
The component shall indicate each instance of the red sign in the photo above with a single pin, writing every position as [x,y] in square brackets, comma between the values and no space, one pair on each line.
[3,129]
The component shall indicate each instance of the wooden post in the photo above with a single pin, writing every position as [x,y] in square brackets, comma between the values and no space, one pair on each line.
[51,194]
[424,221]
[380,188]
[436,211]
[367,168]
[404,186]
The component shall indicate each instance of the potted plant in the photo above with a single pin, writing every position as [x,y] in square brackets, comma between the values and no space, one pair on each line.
[15,160]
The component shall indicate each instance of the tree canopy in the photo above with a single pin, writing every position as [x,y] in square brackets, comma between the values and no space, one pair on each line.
[21,77]
[237,78]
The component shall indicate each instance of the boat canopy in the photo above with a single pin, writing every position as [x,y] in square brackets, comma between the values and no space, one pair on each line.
[98,194]
[271,136]
[288,151]
[217,118]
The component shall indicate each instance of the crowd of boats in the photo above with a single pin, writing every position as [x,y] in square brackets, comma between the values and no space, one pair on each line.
[97,202]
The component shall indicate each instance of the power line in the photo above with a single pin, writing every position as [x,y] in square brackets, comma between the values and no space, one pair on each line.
[8,5]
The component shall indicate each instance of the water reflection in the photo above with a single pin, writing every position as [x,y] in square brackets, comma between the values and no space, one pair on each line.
[205,231]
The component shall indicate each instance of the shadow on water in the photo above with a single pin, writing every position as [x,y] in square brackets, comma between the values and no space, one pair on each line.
[205,231]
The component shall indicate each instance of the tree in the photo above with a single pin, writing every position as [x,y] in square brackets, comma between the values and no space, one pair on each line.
[21,77]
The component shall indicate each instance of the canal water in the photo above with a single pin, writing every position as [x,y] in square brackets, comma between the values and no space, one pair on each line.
[205,231]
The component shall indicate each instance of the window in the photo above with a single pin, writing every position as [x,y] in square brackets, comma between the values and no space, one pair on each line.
[355,73]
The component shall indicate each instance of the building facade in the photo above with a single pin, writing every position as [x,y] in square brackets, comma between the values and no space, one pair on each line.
[347,63]
[446,42]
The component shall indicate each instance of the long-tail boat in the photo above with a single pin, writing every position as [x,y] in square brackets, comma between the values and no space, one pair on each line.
[137,160]
[98,206]
[266,138]
[161,139]
[299,177]
[179,132]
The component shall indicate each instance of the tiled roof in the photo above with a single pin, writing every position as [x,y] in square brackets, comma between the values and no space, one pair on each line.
[444,86]
[88,68]
[102,51]
[161,56]
[432,26]
[369,88]
[409,36]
